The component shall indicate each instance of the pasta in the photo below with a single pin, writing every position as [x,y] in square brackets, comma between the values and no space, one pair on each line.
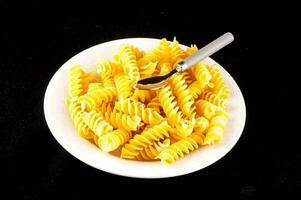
[216,128]
[123,121]
[184,98]
[113,140]
[97,123]
[152,151]
[132,108]
[109,110]
[169,106]
[147,137]
[180,148]
[128,60]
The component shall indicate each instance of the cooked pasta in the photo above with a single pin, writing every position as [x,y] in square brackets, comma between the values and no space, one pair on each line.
[132,108]
[77,116]
[180,148]
[94,98]
[147,137]
[128,60]
[184,98]
[152,151]
[216,128]
[203,77]
[109,110]
[97,123]
[124,86]
[111,141]
[123,121]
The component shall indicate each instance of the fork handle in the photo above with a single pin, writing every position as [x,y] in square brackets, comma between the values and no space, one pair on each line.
[206,51]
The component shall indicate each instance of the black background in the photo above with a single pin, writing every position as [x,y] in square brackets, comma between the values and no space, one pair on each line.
[37,38]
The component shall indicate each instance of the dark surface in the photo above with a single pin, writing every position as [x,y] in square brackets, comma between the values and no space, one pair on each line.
[37,38]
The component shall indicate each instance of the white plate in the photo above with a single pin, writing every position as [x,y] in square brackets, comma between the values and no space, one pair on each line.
[59,122]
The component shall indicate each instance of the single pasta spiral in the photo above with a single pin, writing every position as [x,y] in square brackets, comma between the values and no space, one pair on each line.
[97,123]
[216,128]
[78,81]
[178,149]
[205,108]
[152,151]
[219,87]
[123,121]
[113,140]
[105,70]
[176,53]
[77,116]
[127,59]
[201,125]
[147,115]
[214,99]
[94,98]
[184,99]
[169,106]
[203,78]
[124,86]
[147,137]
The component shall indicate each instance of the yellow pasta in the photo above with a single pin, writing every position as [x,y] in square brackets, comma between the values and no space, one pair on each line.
[205,109]
[169,105]
[132,108]
[147,137]
[123,121]
[214,99]
[94,98]
[179,149]
[113,140]
[124,86]
[109,110]
[78,81]
[127,58]
[203,77]
[216,128]
[152,151]
[219,88]
[97,123]
[184,98]
[77,116]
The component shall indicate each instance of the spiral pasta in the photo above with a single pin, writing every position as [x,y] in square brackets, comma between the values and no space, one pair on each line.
[152,151]
[205,108]
[124,86]
[109,110]
[94,98]
[184,98]
[127,58]
[169,105]
[176,53]
[78,81]
[219,87]
[111,141]
[203,78]
[123,121]
[214,99]
[147,115]
[179,149]
[216,128]
[105,70]
[143,96]
[97,123]
[147,137]
[77,116]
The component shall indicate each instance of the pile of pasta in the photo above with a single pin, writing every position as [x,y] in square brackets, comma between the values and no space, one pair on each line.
[108,109]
